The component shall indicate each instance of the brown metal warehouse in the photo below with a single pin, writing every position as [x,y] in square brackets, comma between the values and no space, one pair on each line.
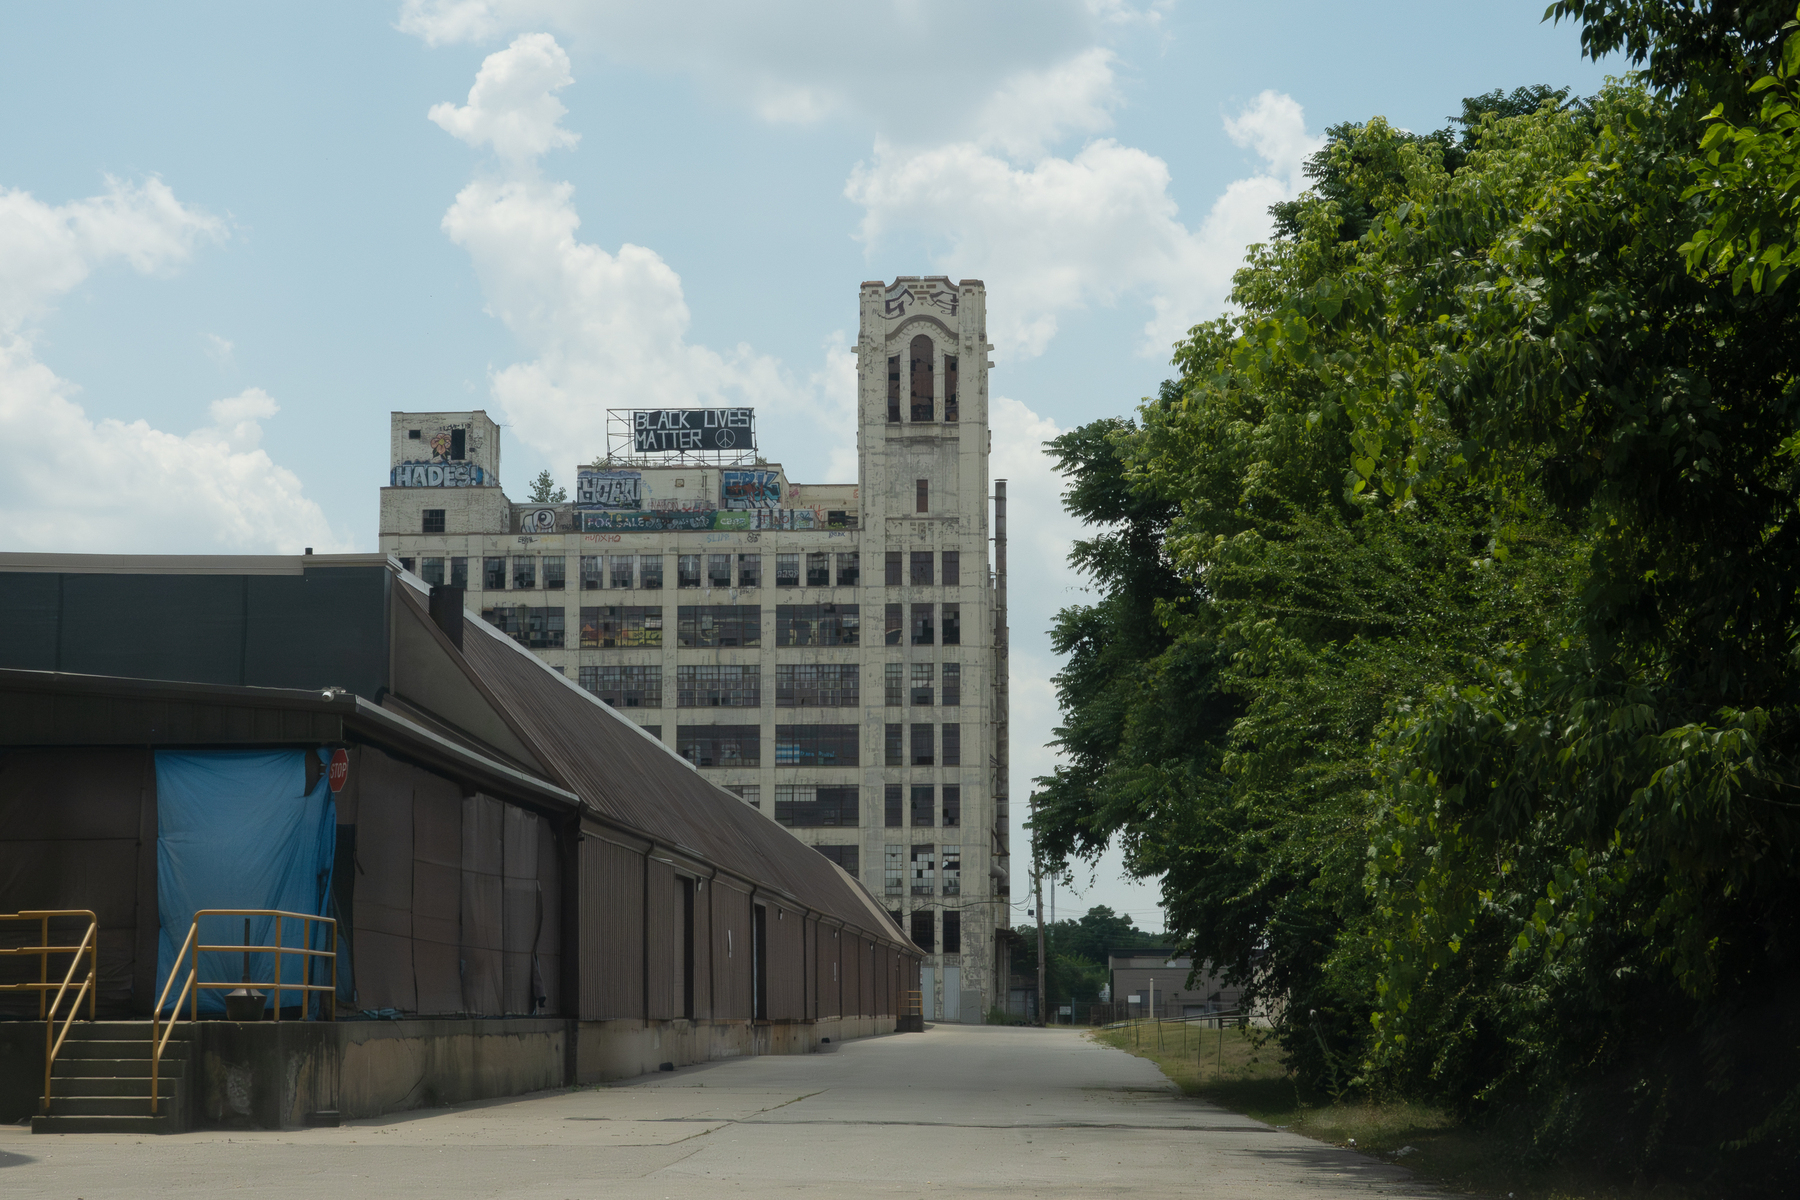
[532,891]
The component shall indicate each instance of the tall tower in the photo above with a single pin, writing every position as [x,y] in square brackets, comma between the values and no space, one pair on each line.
[923,446]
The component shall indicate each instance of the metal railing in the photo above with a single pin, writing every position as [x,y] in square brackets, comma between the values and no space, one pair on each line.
[912,1004]
[194,985]
[48,1008]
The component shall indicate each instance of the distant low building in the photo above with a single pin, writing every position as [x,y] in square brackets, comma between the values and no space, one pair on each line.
[1154,981]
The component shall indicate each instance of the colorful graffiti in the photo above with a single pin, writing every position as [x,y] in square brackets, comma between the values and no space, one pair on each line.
[740,490]
[452,474]
[609,489]
[762,518]
[538,520]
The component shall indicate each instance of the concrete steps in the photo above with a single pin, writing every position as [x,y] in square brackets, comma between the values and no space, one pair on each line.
[101,1082]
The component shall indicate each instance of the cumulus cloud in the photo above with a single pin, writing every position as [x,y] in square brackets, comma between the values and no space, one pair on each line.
[76,484]
[604,329]
[1061,233]
[914,70]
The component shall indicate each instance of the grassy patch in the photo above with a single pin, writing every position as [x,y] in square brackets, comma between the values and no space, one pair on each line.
[1236,1069]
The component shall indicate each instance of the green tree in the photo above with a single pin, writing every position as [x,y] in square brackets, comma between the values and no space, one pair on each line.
[545,491]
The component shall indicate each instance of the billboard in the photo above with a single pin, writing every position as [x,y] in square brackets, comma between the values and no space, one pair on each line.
[673,429]
[749,489]
[608,489]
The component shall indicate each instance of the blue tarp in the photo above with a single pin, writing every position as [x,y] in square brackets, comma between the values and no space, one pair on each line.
[238,829]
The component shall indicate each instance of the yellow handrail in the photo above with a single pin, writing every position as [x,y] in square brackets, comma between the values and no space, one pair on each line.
[90,987]
[913,1005]
[194,985]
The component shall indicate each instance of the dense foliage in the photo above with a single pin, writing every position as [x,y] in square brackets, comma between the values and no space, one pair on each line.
[1076,950]
[1445,661]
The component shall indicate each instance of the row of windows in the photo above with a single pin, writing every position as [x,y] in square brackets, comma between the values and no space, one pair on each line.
[916,805]
[923,929]
[921,383]
[721,626]
[524,572]
[797,685]
[815,745]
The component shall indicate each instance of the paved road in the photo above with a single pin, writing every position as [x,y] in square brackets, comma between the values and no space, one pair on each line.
[962,1111]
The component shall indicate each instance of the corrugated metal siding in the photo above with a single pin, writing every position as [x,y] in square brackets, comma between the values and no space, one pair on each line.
[547,983]
[612,933]
[867,1006]
[664,937]
[519,907]
[787,964]
[731,951]
[381,944]
[483,918]
[437,893]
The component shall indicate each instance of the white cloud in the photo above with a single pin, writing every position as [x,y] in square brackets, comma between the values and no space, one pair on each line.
[76,484]
[912,70]
[218,349]
[1063,233]
[603,329]
[513,106]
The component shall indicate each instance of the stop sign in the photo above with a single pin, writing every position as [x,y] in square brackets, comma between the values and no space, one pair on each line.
[340,770]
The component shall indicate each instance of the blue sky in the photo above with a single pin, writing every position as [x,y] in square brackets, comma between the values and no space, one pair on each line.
[231,238]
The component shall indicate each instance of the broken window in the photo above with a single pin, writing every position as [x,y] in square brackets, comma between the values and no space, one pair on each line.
[621,625]
[507,618]
[891,813]
[893,871]
[952,806]
[720,745]
[849,567]
[893,680]
[921,568]
[895,624]
[892,753]
[593,572]
[953,745]
[687,570]
[538,628]
[407,564]
[432,571]
[952,568]
[802,806]
[718,570]
[895,568]
[749,570]
[922,814]
[749,793]
[524,572]
[950,411]
[894,387]
[924,397]
[619,567]
[650,573]
[624,687]
[923,632]
[716,685]
[553,572]
[709,626]
[459,572]
[950,862]
[818,569]
[924,871]
[922,745]
[817,625]
[433,521]
[921,684]
[493,574]
[817,745]
[952,624]
[787,570]
[952,696]
[817,685]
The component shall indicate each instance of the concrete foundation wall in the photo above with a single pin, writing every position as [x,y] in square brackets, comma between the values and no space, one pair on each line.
[623,1049]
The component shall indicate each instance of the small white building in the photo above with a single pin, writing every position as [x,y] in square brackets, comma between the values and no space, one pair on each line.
[834,653]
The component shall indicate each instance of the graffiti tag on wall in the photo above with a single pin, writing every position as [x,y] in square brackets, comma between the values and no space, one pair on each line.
[749,489]
[538,520]
[762,518]
[451,474]
[608,489]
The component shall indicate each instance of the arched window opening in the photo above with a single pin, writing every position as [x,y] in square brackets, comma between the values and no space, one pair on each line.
[950,412]
[924,398]
[894,388]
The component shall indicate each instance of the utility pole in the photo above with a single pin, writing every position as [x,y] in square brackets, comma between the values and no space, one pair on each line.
[1037,885]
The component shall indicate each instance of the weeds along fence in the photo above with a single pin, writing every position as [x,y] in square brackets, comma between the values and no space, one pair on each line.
[1201,1038]
[1101,1012]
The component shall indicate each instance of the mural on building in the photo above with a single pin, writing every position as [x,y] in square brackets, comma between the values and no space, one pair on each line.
[537,520]
[749,489]
[595,488]
[453,474]
[762,518]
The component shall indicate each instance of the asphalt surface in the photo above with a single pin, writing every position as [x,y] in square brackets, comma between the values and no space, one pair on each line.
[967,1111]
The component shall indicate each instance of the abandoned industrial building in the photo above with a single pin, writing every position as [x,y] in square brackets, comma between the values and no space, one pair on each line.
[832,653]
[505,883]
